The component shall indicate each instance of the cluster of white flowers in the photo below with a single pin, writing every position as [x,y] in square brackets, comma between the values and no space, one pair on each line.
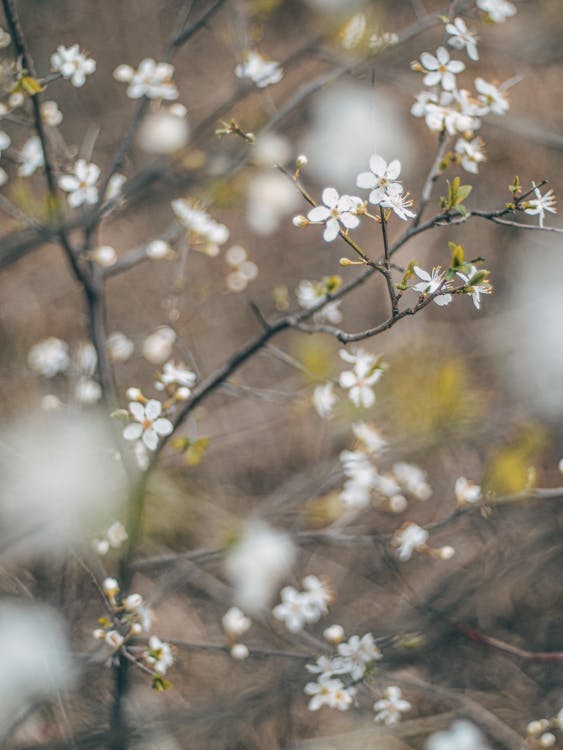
[363,479]
[298,608]
[411,537]
[260,71]
[130,617]
[177,379]
[203,229]
[72,64]
[244,270]
[114,538]
[51,357]
[151,79]
[351,660]
[312,293]
[446,107]
[235,623]
[543,732]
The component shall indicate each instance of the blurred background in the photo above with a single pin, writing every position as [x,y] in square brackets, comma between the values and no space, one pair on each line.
[467,393]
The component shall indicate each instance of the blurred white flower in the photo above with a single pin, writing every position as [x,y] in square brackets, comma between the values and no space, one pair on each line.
[324,400]
[116,534]
[388,710]
[461,38]
[491,97]
[470,153]
[157,347]
[175,374]
[81,184]
[163,132]
[239,652]
[51,113]
[235,623]
[49,357]
[104,255]
[329,692]
[466,492]
[271,149]
[5,141]
[338,143]
[462,735]
[360,380]
[497,10]
[270,199]
[334,634]
[158,249]
[370,437]
[115,186]
[356,653]
[201,225]
[87,390]
[296,609]
[30,157]
[119,347]
[158,655]
[412,479]
[409,538]
[257,563]
[35,657]
[262,72]
[72,64]
[245,270]
[58,480]
[151,79]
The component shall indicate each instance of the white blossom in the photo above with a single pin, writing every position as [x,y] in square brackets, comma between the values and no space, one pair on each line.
[324,400]
[201,225]
[388,710]
[497,10]
[409,538]
[81,183]
[311,293]
[540,204]
[262,72]
[337,213]
[235,623]
[157,347]
[356,653]
[329,692]
[149,425]
[360,380]
[370,437]
[381,179]
[296,609]
[163,132]
[461,38]
[431,283]
[104,255]
[87,390]
[119,347]
[49,357]
[30,157]
[5,141]
[466,492]
[51,113]
[175,374]
[400,205]
[440,69]
[491,97]
[239,652]
[72,64]
[412,479]
[476,290]
[159,655]
[151,79]
[116,534]
[318,592]
[470,154]
[244,271]
[462,735]
[256,564]
[158,249]
[333,634]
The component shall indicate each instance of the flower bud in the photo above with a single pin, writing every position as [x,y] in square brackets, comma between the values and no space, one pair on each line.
[301,161]
[300,221]
[240,652]
[334,634]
